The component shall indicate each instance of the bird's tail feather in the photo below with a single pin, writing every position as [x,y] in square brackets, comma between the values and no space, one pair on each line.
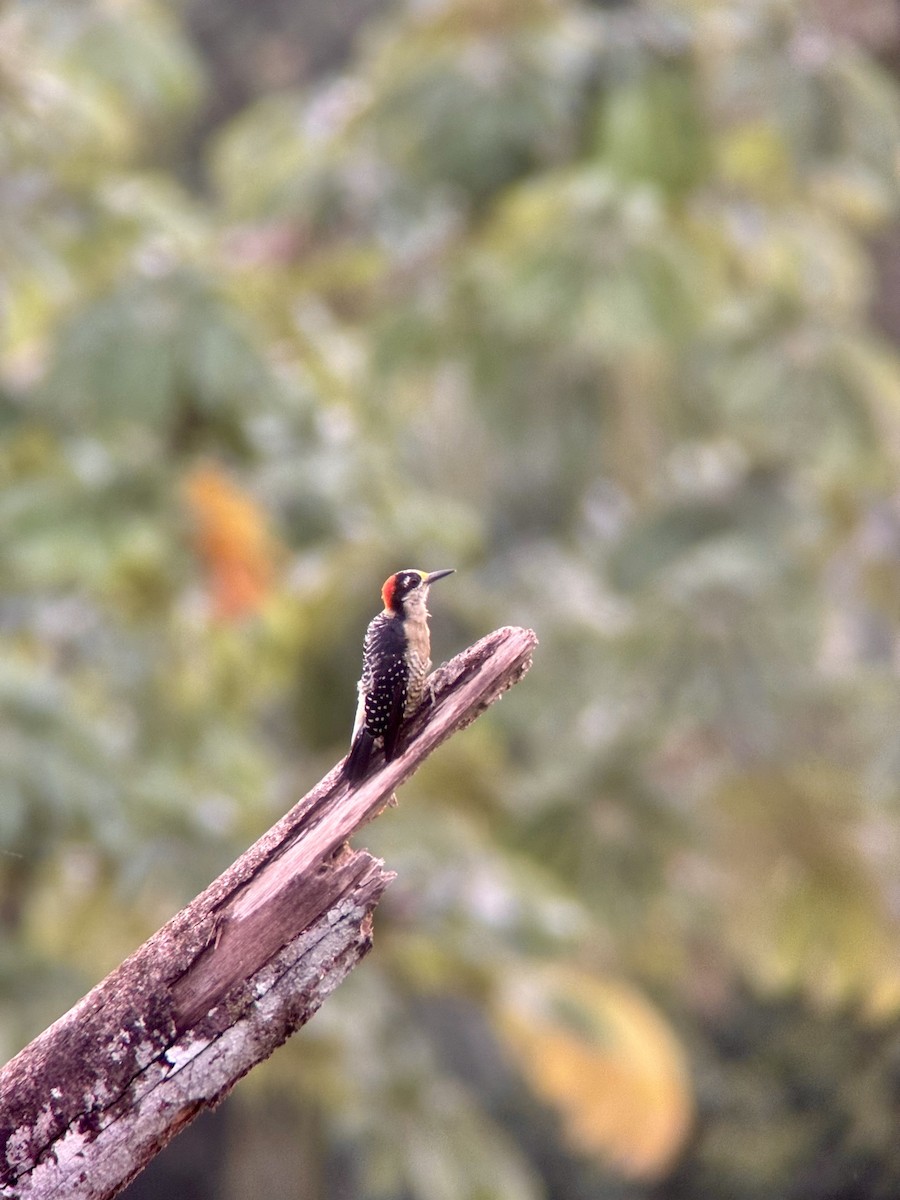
[357,762]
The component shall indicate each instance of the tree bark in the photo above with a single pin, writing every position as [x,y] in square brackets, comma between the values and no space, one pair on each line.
[89,1102]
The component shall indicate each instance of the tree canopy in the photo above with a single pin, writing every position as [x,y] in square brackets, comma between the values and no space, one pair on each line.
[577,299]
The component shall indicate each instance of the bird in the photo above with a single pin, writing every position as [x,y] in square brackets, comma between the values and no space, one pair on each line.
[396,661]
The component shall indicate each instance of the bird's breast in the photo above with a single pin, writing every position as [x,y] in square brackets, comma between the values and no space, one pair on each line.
[418,650]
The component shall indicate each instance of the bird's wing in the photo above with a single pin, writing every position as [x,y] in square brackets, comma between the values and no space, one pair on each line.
[393,722]
[384,681]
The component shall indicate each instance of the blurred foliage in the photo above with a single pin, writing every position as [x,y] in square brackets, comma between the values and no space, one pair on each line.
[601,1055]
[575,298]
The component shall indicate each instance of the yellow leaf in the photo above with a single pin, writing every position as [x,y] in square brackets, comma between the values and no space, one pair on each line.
[754,155]
[606,1060]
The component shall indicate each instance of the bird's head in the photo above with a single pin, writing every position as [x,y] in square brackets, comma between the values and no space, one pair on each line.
[408,585]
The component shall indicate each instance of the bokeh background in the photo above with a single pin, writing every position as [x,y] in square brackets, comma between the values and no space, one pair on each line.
[598,303]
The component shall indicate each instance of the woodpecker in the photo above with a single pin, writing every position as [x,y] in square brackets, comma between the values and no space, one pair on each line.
[396,660]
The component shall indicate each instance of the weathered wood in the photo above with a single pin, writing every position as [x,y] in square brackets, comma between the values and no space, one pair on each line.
[85,1106]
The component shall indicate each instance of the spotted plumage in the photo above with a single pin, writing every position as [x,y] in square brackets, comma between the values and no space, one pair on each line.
[396,662]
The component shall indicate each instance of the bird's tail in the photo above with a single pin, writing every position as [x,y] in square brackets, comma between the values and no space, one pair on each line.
[357,761]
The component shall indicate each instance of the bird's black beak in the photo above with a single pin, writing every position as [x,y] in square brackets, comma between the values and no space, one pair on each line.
[435,575]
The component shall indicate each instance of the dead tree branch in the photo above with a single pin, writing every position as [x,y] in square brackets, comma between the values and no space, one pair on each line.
[89,1102]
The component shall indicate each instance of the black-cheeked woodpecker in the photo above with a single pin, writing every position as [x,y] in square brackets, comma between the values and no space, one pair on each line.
[396,662]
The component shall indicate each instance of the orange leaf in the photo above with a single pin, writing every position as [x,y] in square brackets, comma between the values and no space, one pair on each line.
[233,542]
